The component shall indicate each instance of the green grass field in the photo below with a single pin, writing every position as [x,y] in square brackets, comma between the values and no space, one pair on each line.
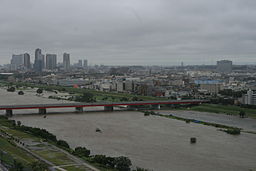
[17,153]
[226,109]
[56,157]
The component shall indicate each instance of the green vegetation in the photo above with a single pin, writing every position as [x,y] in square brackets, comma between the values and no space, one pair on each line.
[233,131]
[54,156]
[75,168]
[39,91]
[98,95]
[13,157]
[226,109]
[11,89]
[195,121]
[81,152]
[38,166]
[86,97]
[20,93]
[62,144]
[42,133]
[119,163]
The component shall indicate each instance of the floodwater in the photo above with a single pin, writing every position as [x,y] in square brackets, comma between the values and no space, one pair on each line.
[152,142]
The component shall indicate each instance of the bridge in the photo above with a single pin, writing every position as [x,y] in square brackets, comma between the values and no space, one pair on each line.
[108,106]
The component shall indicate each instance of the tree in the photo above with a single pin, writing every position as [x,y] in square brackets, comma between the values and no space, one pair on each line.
[11,89]
[123,163]
[62,143]
[242,114]
[124,99]
[17,166]
[82,152]
[20,93]
[39,166]
[86,97]
[18,123]
[39,91]
[135,98]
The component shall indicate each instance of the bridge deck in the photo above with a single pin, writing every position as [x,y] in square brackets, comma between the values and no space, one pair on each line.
[69,105]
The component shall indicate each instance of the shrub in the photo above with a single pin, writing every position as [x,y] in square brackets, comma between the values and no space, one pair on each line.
[38,166]
[233,131]
[39,91]
[123,163]
[20,93]
[82,152]
[11,89]
[62,143]
[147,113]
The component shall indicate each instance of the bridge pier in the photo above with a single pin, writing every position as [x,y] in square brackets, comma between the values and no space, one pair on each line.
[156,106]
[42,111]
[79,109]
[108,108]
[9,113]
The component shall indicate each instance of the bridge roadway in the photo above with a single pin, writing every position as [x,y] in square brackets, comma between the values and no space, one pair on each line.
[107,105]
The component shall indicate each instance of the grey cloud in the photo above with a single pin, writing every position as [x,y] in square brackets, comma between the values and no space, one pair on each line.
[131,31]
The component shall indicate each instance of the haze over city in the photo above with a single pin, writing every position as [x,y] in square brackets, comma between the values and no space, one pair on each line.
[121,32]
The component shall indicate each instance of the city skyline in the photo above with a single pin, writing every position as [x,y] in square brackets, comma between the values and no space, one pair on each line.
[131,32]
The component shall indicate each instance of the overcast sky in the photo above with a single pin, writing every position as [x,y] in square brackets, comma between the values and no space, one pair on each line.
[125,32]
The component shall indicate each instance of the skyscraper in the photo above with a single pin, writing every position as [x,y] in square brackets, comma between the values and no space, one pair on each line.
[38,52]
[80,63]
[85,63]
[51,61]
[66,61]
[27,63]
[39,61]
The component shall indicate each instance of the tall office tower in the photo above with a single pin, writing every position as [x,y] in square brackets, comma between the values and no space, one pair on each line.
[224,66]
[27,63]
[39,64]
[80,63]
[51,61]
[38,52]
[66,61]
[17,62]
[85,63]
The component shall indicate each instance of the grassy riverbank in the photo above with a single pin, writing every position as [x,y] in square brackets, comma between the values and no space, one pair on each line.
[224,109]
[99,95]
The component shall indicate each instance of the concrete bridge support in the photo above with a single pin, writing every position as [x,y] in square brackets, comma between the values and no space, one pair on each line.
[42,111]
[108,108]
[79,109]
[156,106]
[9,113]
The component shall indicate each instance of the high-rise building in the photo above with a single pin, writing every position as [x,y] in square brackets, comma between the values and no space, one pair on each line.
[17,62]
[66,61]
[80,63]
[85,63]
[27,63]
[51,61]
[38,52]
[224,66]
[39,64]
